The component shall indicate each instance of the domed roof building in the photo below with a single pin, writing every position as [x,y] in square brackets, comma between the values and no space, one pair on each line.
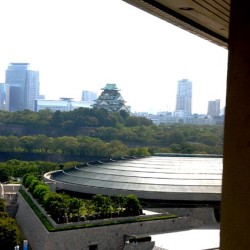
[110,99]
[152,178]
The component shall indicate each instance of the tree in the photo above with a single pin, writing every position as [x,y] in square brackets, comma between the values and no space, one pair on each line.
[12,143]
[119,202]
[117,149]
[107,206]
[9,232]
[4,175]
[56,206]
[67,144]
[98,201]
[74,207]
[44,117]
[2,205]
[133,205]
[142,152]
[124,114]
[40,191]
[43,143]
[33,185]
[27,143]
[57,118]
[27,179]
[176,136]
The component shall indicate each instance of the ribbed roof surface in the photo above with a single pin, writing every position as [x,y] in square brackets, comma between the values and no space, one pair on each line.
[151,174]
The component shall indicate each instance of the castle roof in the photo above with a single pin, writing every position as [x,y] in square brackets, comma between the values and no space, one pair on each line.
[110,86]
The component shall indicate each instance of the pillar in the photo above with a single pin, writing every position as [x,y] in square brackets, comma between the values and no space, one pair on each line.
[235,206]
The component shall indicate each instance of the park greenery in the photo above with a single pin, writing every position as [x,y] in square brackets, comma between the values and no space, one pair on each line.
[98,133]
[68,145]
[64,208]
[10,234]
[12,170]
[81,117]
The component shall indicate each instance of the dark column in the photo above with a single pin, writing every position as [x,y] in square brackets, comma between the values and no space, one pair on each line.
[235,208]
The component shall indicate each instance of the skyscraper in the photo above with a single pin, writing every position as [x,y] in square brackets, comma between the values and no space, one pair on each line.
[2,96]
[89,96]
[184,97]
[23,86]
[213,108]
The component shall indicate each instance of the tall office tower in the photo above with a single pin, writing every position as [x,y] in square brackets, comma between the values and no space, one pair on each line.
[32,92]
[23,86]
[213,108]
[89,96]
[184,97]
[2,96]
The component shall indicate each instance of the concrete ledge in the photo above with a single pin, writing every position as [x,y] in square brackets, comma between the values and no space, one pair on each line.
[106,237]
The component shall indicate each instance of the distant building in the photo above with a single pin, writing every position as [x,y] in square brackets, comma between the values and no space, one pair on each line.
[169,118]
[65,104]
[3,96]
[89,96]
[184,98]
[110,99]
[23,87]
[213,108]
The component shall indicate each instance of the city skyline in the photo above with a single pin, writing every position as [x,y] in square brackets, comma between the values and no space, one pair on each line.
[20,76]
[98,44]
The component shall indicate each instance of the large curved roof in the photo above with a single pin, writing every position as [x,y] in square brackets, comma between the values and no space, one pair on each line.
[174,178]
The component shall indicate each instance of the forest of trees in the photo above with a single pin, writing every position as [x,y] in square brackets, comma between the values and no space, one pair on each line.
[111,135]
[81,117]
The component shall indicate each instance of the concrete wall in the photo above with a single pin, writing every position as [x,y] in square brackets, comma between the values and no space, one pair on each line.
[206,214]
[106,237]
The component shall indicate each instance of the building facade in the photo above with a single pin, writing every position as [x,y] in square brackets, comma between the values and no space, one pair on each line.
[184,97]
[89,96]
[65,104]
[23,87]
[213,108]
[3,91]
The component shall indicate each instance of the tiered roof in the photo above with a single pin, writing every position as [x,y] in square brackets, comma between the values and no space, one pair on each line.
[110,99]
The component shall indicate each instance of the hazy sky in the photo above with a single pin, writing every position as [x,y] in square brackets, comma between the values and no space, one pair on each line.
[81,45]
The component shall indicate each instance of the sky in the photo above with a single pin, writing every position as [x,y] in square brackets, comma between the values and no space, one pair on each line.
[81,45]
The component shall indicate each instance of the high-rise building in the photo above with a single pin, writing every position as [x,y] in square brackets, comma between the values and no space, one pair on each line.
[89,96]
[184,97]
[2,96]
[213,108]
[23,86]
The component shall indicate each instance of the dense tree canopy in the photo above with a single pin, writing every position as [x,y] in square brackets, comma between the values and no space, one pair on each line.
[95,132]
[9,231]
[81,117]
[69,145]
